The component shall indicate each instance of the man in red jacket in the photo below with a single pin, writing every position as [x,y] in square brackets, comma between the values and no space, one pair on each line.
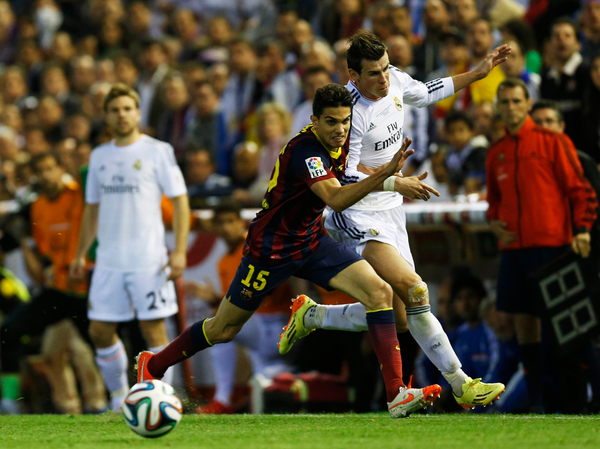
[539,204]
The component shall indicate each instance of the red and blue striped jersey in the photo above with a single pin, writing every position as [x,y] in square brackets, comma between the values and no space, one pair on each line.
[289,225]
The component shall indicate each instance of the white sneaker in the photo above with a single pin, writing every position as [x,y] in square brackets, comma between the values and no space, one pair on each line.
[410,400]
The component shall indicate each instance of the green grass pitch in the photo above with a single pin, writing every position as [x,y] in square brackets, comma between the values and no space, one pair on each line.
[307,431]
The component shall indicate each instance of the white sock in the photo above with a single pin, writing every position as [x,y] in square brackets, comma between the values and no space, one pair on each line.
[168,376]
[428,332]
[112,362]
[346,317]
[224,358]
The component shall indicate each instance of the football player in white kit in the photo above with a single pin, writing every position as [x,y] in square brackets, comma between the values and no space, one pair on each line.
[133,277]
[376,226]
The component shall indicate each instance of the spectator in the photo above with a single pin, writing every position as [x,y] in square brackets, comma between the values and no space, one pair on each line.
[341,75]
[564,81]
[455,57]
[54,83]
[51,115]
[280,85]
[78,127]
[218,76]
[514,67]
[401,23]
[479,41]
[243,90]
[204,184]
[317,54]
[273,130]
[141,24]
[207,128]
[437,20]
[519,31]
[83,74]
[465,160]
[105,70]
[312,79]
[111,39]
[249,189]
[172,122]
[187,29]
[463,12]
[154,71]
[590,19]
[14,86]
[341,19]
[125,71]
[543,237]
[591,112]
[62,51]
[36,142]
[379,17]
[401,55]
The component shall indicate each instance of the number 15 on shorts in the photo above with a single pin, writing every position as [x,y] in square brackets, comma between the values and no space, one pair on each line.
[260,281]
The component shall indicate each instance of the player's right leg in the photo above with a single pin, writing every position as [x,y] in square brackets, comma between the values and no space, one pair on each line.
[360,281]
[108,305]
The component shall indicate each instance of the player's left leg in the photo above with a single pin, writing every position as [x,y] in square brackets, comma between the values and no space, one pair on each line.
[222,328]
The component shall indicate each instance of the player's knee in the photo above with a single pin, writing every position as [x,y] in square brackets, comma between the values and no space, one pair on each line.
[418,294]
[380,297]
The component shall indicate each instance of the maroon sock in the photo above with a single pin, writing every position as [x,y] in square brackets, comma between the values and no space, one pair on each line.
[189,342]
[382,330]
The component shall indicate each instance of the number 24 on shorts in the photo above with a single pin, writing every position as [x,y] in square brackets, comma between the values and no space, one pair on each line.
[260,281]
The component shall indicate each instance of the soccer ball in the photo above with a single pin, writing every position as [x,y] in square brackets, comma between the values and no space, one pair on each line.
[151,409]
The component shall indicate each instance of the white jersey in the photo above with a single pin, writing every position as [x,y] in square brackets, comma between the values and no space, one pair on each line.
[378,129]
[128,182]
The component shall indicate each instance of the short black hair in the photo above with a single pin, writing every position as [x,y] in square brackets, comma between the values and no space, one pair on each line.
[364,45]
[511,83]
[458,116]
[331,96]
[548,104]
[565,20]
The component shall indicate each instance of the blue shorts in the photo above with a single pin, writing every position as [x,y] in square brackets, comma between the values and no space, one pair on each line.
[516,265]
[253,282]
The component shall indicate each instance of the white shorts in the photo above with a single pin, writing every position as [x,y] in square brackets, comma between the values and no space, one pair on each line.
[354,228]
[117,296]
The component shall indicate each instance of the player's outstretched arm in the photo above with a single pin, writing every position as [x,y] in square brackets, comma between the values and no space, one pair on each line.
[340,197]
[87,235]
[496,57]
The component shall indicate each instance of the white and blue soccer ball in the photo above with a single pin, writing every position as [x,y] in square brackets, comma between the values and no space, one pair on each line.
[151,409]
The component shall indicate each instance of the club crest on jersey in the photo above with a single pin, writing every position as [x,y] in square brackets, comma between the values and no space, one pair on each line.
[315,167]
[398,104]
[374,232]
[246,294]
[138,165]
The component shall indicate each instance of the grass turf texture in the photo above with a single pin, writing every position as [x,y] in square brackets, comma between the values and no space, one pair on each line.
[307,431]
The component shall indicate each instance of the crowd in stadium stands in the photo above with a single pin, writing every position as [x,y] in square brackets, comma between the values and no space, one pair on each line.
[227,84]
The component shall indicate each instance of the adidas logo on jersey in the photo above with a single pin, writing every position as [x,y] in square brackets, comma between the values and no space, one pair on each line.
[372,126]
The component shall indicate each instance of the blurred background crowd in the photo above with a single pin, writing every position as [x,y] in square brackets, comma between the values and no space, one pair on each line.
[228,83]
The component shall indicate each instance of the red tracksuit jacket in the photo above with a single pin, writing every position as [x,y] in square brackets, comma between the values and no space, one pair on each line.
[535,184]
